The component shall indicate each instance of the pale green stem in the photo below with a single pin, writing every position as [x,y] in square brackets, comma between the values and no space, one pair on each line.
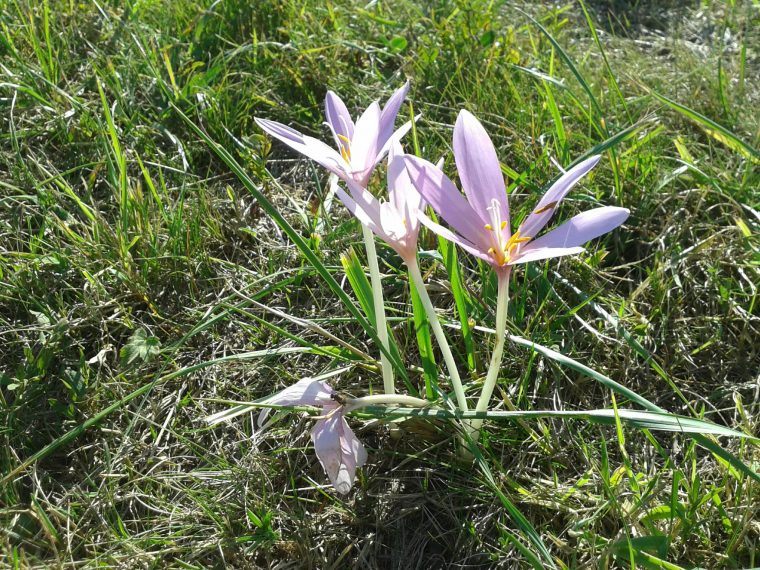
[377,299]
[443,344]
[502,302]
[380,399]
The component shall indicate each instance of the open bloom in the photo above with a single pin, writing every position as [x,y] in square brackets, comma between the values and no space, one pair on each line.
[360,146]
[337,448]
[395,221]
[481,220]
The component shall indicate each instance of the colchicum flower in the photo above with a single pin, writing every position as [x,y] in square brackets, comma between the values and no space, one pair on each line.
[361,146]
[337,448]
[481,220]
[395,221]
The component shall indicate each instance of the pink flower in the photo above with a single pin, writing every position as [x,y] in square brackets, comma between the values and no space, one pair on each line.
[395,221]
[481,219]
[361,146]
[337,448]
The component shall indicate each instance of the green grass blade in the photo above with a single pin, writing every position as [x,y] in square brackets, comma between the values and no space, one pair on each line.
[295,237]
[424,342]
[718,132]
[362,288]
[461,300]
[634,397]
[517,517]
[72,434]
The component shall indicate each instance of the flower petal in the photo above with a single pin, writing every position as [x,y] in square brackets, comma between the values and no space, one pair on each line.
[581,228]
[338,449]
[305,392]
[478,167]
[443,196]
[364,145]
[388,116]
[394,138]
[372,222]
[308,146]
[534,254]
[446,233]
[543,212]
[401,192]
[338,118]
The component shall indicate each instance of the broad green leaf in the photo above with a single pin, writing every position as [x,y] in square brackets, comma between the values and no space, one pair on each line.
[140,346]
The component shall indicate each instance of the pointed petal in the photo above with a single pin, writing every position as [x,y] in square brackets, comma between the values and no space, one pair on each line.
[338,118]
[305,392]
[401,192]
[478,167]
[371,222]
[446,233]
[338,450]
[394,138]
[366,201]
[581,228]
[388,116]
[308,146]
[443,196]
[534,254]
[543,212]
[364,145]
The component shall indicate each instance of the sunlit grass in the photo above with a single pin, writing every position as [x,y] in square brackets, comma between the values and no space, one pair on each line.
[131,254]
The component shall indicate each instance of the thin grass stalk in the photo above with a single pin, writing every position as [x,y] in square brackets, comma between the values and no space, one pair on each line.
[448,357]
[379,304]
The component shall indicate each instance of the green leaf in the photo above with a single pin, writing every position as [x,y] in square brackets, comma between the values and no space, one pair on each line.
[424,342]
[397,44]
[704,441]
[362,288]
[461,300]
[718,132]
[140,346]
[487,39]
[659,421]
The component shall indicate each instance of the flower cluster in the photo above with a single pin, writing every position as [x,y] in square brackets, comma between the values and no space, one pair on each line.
[478,222]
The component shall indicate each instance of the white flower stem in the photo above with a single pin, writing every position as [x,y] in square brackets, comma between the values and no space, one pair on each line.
[502,302]
[419,284]
[381,399]
[379,305]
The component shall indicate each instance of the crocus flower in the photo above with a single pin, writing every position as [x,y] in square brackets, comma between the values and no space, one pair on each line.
[336,446]
[395,221]
[361,146]
[481,219]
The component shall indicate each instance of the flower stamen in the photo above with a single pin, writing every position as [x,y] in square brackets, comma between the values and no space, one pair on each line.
[345,148]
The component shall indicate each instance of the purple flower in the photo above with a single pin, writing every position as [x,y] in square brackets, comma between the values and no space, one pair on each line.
[337,448]
[395,221]
[481,220]
[360,146]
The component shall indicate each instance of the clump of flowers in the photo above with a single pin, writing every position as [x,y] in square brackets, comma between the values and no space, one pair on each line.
[477,221]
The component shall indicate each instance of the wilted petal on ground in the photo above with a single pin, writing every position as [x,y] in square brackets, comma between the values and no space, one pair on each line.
[338,449]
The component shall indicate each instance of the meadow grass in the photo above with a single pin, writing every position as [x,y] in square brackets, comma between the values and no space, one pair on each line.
[145,284]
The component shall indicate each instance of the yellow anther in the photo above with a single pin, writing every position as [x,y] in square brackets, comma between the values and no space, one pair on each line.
[492,251]
[345,148]
[503,224]
[488,227]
